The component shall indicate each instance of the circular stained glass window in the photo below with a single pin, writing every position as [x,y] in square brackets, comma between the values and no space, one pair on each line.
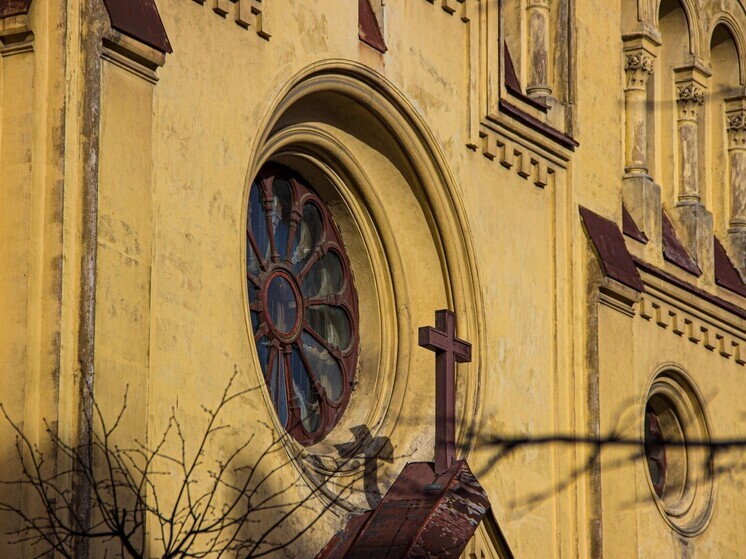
[303,303]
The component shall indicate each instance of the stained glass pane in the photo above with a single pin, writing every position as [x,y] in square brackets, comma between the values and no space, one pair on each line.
[331,323]
[306,395]
[255,321]
[323,365]
[262,349]
[281,400]
[324,278]
[282,306]
[252,262]
[282,203]
[257,221]
[308,236]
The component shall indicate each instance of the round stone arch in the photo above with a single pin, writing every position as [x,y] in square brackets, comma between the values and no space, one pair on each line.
[736,32]
[693,22]
[372,159]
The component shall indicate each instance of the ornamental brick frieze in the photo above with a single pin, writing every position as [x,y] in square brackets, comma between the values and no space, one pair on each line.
[528,164]
[248,14]
[695,330]
[689,99]
[450,7]
[637,68]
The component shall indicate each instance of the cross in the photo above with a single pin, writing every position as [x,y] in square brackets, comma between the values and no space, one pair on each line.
[448,350]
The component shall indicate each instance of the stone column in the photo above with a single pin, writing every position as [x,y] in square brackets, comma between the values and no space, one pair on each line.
[689,98]
[693,220]
[637,67]
[640,194]
[538,44]
[736,125]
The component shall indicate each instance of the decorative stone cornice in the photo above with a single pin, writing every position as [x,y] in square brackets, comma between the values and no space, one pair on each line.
[15,35]
[689,98]
[638,66]
[133,56]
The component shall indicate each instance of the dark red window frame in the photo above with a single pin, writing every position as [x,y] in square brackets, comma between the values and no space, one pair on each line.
[306,363]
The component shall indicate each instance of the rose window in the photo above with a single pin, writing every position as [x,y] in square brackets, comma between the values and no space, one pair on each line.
[303,303]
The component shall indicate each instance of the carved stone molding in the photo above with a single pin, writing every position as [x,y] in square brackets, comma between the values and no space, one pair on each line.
[689,98]
[736,126]
[693,329]
[15,35]
[618,296]
[537,4]
[246,13]
[133,56]
[638,67]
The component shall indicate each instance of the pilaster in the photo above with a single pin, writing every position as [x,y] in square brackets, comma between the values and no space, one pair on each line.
[124,237]
[122,210]
[18,242]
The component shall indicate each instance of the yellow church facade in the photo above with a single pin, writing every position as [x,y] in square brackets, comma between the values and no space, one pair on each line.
[271,198]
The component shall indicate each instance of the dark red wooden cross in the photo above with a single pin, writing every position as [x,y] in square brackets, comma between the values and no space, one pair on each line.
[448,350]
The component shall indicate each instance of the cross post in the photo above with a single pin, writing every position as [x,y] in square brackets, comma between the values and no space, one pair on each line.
[448,350]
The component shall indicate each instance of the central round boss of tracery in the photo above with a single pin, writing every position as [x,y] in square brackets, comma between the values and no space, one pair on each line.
[303,303]
[283,305]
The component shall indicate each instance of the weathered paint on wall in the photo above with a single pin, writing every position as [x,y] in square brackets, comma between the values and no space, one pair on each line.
[124,176]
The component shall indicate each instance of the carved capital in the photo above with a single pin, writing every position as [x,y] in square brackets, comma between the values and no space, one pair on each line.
[737,121]
[736,126]
[689,98]
[537,4]
[638,67]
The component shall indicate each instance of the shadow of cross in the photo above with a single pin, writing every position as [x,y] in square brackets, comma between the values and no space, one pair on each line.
[448,350]
[374,450]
